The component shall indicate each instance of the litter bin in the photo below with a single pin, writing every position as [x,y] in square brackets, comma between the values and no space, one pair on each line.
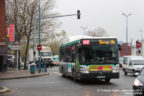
[32,68]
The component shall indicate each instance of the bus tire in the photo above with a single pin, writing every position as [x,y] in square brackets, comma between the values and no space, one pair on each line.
[63,74]
[125,73]
[107,80]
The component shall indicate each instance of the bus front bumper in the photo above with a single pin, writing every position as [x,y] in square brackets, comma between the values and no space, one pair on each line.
[99,75]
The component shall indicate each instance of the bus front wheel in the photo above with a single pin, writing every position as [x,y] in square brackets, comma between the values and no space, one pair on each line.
[107,80]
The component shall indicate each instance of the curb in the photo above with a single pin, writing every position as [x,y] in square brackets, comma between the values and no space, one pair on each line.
[30,76]
[4,90]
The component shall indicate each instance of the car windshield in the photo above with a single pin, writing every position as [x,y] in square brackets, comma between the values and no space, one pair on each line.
[137,62]
[120,60]
[46,53]
[99,54]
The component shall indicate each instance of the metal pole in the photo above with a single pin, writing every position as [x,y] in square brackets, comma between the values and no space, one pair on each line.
[84,28]
[34,45]
[16,50]
[141,34]
[131,46]
[126,31]
[126,35]
[17,57]
[141,42]
[39,38]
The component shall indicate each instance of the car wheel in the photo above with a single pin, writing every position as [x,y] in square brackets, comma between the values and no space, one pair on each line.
[125,73]
[123,69]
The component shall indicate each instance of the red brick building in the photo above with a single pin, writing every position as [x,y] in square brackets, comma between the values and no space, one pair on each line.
[123,50]
[3,46]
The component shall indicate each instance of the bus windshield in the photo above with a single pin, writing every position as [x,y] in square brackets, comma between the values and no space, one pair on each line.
[46,53]
[101,54]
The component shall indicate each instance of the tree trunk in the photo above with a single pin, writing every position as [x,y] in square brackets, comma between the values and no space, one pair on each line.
[26,54]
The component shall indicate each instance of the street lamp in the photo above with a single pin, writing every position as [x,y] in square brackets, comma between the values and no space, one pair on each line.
[141,41]
[141,34]
[126,15]
[84,28]
[39,37]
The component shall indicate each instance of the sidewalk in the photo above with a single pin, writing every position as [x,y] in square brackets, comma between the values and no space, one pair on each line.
[14,74]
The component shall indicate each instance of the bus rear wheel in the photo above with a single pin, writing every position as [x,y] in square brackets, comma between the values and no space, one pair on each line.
[74,76]
[125,73]
[63,74]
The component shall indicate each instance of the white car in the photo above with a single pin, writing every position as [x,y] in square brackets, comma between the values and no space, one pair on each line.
[133,64]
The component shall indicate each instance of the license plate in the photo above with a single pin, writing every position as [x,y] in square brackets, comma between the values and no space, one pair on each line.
[100,77]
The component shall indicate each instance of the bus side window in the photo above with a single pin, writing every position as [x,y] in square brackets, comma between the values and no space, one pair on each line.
[72,57]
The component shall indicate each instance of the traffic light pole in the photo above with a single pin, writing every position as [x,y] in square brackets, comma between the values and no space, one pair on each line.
[39,38]
[78,17]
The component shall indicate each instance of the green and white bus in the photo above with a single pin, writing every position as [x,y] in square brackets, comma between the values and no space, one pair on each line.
[90,58]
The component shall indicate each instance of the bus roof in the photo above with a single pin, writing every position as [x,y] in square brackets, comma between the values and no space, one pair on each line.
[74,39]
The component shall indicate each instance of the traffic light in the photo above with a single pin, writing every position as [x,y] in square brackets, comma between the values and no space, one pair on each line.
[78,14]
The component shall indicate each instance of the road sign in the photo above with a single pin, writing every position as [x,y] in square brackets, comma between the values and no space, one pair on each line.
[17,42]
[15,47]
[11,32]
[39,47]
[138,44]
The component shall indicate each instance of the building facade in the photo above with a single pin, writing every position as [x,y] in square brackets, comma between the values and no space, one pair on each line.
[123,50]
[3,45]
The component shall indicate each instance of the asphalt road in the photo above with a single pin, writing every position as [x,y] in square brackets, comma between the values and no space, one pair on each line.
[56,85]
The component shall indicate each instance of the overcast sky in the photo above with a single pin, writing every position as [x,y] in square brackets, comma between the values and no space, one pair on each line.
[103,13]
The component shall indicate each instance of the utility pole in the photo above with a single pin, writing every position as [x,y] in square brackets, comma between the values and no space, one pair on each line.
[84,30]
[126,15]
[39,38]
[131,47]
[34,43]
[39,19]
[141,42]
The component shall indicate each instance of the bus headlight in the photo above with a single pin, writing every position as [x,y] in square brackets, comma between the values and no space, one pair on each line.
[115,69]
[84,69]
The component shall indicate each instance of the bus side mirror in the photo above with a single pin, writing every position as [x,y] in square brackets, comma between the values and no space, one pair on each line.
[119,47]
[79,46]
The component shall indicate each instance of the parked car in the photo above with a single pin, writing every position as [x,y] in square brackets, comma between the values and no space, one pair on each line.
[138,85]
[133,64]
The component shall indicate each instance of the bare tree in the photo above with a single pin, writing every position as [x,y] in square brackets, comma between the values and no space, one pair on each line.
[99,32]
[22,13]
[54,40]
